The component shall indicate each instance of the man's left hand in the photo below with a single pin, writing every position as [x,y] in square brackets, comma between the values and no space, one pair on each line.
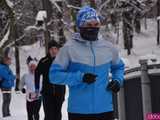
[114,85]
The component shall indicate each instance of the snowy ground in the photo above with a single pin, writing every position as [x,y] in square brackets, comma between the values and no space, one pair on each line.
[144,45]
[18,110]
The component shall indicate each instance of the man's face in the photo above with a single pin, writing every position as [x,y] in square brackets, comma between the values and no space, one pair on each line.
[53,51]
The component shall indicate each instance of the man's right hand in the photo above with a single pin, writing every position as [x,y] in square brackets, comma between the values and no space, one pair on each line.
[89,78]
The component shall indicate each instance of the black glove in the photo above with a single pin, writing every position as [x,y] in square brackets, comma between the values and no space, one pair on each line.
[89,78]
[114,85]
[23,90]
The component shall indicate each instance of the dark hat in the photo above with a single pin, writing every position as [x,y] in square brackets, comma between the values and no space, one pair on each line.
[29,58]
[53,43]
[7,52]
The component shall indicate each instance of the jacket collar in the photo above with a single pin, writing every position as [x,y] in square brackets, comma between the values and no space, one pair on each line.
[77,37]
[100,42]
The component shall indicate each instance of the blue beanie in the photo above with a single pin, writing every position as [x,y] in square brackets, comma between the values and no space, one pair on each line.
[86,14]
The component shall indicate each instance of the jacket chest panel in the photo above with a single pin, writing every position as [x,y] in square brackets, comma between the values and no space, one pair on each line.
[90,55]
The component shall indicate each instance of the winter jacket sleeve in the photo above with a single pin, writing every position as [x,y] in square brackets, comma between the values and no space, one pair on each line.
[117,67]
[59,73]
[6,74]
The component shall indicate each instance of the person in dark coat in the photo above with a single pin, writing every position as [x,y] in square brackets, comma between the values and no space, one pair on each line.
[53,95]
[7,81]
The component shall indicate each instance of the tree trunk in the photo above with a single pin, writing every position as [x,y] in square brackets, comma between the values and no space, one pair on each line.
[158,32]
[93,3]
[17,68]
[76,3]
[127,28]
[48,7]
[145,22]
[62,39]
[46,37]
[137,19]
[3,4]
[158,22]
[137,23]
[17,61]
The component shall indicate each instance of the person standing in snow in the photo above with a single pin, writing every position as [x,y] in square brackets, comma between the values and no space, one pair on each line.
[33,101]
[53,95]
[84,64]
[7,81]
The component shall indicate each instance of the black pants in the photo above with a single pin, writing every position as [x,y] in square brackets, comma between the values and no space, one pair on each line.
[102,116]
[33,109]
[52,107]
[6,104]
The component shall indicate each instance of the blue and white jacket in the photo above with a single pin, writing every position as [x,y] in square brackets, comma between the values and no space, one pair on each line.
[79,56]
[7,77]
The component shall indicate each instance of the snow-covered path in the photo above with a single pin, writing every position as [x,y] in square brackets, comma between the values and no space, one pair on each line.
[18,110]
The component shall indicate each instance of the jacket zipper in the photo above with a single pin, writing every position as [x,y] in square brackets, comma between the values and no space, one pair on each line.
[94,64]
